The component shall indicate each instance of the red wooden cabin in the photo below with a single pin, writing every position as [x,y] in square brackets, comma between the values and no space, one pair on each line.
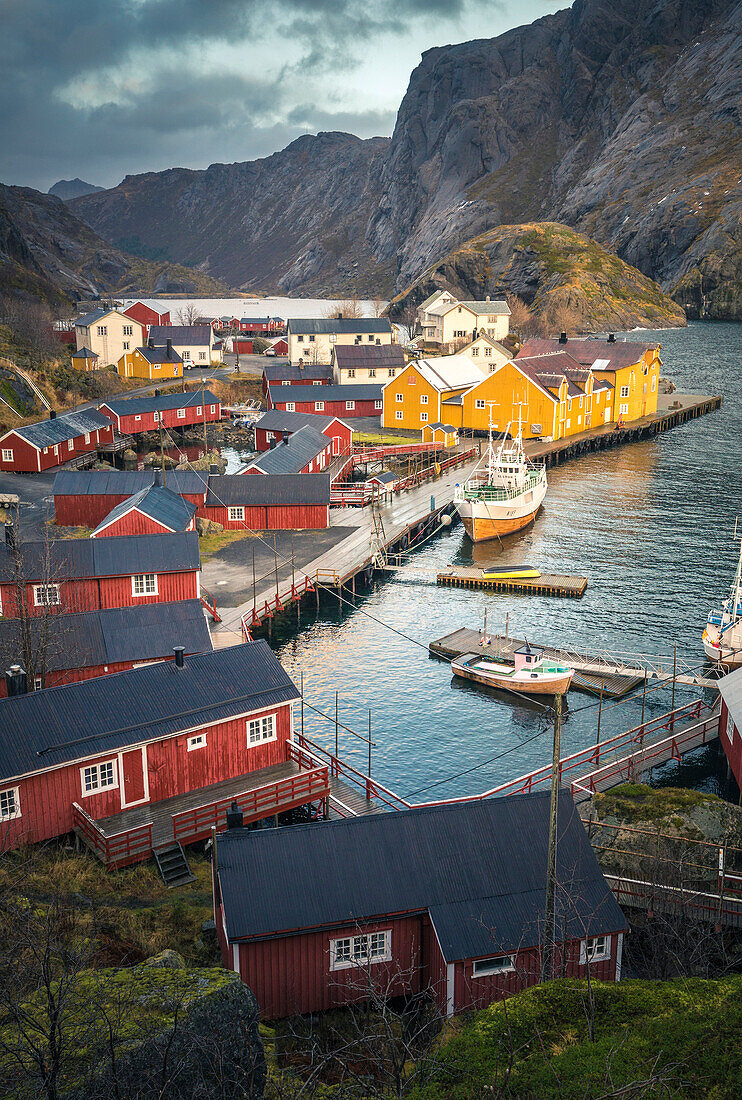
[147,316]
[446,899]
[341,401]
[279,346]
[174,410]
[98,643]
[305,451]
[274,502]
[256,325]
[82,498]
[89,574]
[55,441]
[730,721]
[155,510]
[152,758]
[275,424]
[284,374]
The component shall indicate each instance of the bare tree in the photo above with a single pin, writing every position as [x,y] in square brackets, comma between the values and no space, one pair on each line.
[405,318]
[520,316]
[378,305]
[32,324]
[349,308]
[188,314]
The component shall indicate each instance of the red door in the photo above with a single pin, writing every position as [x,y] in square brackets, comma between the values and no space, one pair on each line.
[132,777]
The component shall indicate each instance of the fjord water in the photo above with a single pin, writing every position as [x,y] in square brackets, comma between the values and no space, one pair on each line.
[651,526]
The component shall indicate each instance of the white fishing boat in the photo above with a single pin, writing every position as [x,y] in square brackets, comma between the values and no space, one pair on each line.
[531,673]
[722,637]
[504,491]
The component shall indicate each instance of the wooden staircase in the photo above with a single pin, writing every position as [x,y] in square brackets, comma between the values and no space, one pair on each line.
[173,866]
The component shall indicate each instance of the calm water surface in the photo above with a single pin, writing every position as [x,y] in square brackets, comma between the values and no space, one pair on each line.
[649,524]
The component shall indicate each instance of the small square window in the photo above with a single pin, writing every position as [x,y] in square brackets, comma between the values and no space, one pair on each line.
[351,372]
[144,584]
[199,410]
[378,404]
[399,398]
[261,729]
[595,949]
[10,806]
[319,406]
[479,403]
[350,405]
[423,418]
[181,414]
[399,415]
[237,513]
[7,454]
[46,595]
[197,742]
[290,406]
[392,372]
[98,777]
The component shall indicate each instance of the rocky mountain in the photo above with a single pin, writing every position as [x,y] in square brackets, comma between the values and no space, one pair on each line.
[46,251]
[566,278]
[72,189]
[295,220]
[619,118]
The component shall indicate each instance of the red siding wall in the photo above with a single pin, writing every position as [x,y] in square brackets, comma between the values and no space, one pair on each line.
[90,509]
[73,675]
[46,799]
[134,423]
[332,408]
[284,517]
[134,523]
[731,742]
[28,459]
[332,431]
[92,594]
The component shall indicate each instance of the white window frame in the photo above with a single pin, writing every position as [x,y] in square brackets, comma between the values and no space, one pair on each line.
[399,398]
[351,372]
[479,403]
[361,949]
[137,418]
[181,414]
[623,410]
[236,512]
[146,580]
[372,372]
[212,409]
[199,410]
[423,398]
[595,949]
[7,454]
[378,405]
[126,345]
[41,595]
[399,415]
[10,813]
[70,444]
[261,730]
[96,777]
[128,330]
[198,741]
[350,405]
[290,406]
[423,418]
[496,964]
[624,391]
[392,371]
[319,406]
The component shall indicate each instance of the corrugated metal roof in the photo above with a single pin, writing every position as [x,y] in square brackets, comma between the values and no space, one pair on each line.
[236,489]
[48,433]
[278,420]
[82,640]
[159,355]
[115,557]
[84,353]
[361,392]
[478,867]
[369,355]
[621,353]
[149,403]
[279,372]
[88,319]
[159,503]
[498,307]
[449,372]
[63,724]
[124,482]
[293,456]
[299,326]
[730,689]
[181,334]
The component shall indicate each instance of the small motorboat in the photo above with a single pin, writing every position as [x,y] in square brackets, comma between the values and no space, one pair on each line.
[511,573]
[531,674]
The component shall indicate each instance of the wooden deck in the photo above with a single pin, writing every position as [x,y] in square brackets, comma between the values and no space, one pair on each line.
[548,584]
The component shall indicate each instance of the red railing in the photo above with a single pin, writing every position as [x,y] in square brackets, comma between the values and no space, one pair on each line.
[348,494]
[373,452]
[260,802]
[276,603]
[119,848]
[430,471]
[208,600]
[306,754]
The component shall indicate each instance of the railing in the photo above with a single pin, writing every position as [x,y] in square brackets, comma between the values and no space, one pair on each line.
[350,495]
[260,802]
[373,452]
[208,600]
[277,603]
[119,848]
[486,492]
[306,754]
[430,471]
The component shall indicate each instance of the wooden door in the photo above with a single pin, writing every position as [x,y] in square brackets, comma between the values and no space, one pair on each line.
[133,777]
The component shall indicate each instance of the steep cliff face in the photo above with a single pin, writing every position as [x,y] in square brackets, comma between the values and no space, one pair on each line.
[295,220]
[620,119]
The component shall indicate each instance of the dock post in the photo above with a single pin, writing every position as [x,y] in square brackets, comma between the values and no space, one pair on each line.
[301,689]
[369,746]
[337,752]
[551,884]
[644,699]
[254,597]
[275,563]
[600,714]
[674,677]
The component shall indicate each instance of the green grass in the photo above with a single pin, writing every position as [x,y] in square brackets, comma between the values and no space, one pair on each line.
[386,439]
[633,802]
[212,544]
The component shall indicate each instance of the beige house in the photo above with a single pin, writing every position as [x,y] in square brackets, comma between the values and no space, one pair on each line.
[426,322]
[195,344]
[487,352]
[451,323]
[311,341]
[372,363]
[108,334]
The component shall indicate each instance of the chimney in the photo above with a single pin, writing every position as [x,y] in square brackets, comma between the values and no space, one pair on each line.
[10,536]
[150,343]
[488,299]
[340,316]
[16,681]
[272,443]
[168,350]
[158,476]
[213,468]
[562,337]
[611,338]
[285,438]
[234,817]
[179,650]
[52,414]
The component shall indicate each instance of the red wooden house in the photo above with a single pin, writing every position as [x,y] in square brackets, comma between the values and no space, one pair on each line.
[342,401]
[83,498]
[274,502]
[173,410]
[284,374]
[53,442]
[275,424]
[447,900]
[89,574]
[145,760]
[255,325]
[147,316]
[155,510]
[730,721]
[279,346]
[97,643]
[304,452]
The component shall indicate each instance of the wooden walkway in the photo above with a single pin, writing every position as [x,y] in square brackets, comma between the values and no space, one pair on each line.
[548,584]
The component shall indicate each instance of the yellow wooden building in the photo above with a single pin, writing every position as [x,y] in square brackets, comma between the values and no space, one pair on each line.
[429,391]
[151,363]
[440,433]
[84,359]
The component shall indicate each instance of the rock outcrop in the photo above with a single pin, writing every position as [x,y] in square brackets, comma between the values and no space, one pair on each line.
[72,189]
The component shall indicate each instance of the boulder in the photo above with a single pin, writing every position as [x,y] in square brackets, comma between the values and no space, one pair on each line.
[208,526]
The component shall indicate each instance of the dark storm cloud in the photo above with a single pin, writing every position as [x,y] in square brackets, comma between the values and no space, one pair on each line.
[98,89]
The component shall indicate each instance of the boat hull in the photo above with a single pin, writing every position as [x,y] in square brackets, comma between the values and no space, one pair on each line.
[543,685]
[484,520]
[481,528]
[724,655]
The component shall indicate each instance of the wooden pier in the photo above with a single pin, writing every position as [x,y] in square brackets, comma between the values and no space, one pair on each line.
[548,584]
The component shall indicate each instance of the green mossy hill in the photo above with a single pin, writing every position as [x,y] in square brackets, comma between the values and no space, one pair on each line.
[695,815]
[568,280]
[677,1039]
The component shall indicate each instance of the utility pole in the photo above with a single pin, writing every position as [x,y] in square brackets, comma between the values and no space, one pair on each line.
[203,410]
[162,450]
[551,883]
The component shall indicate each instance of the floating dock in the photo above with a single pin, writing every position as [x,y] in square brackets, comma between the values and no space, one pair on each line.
[548,584]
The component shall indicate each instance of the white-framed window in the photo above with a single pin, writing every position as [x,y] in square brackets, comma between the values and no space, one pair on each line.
[125,345]
[70,445]
[157,417]
[595,949]
[237,512]
[98,777]
[199,410]
[10,805]
[475,351]
[488,353]
[128,331]
[378,404]
[202,355]
[46,595]
[261,729]
[624,410]
[423,398]
[137,418]
[7,454]
[290,406]
[144,584]
[423,418]
[37,684]
[212,409]
[350,405]
[730,727]
[391,372]
[399,398]
[87,437]
[181,414]
[624,391]
[369,947]
[372,372]
[498,964]
[197,742]
[56,447]
[102,330]
[479,403]
[319,406]
[351,372]
[399,415]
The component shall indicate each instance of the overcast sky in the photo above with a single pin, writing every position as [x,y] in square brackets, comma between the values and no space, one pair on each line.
[102,88]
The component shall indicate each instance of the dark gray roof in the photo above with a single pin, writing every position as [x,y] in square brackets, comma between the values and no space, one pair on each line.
[292,456]
[84,353]
[369,355]
[250,491]
[48,433]
[730,689]
[280,372]
[159,355]
[140,633]
[124,482]
[478,868]
[159,503]
[298,326]
[181,334]
[386,477]
[254,320]
[88,319]
[445,427]
[362,392]
[107,713]
[124,406]
[113,557]
[278,420]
